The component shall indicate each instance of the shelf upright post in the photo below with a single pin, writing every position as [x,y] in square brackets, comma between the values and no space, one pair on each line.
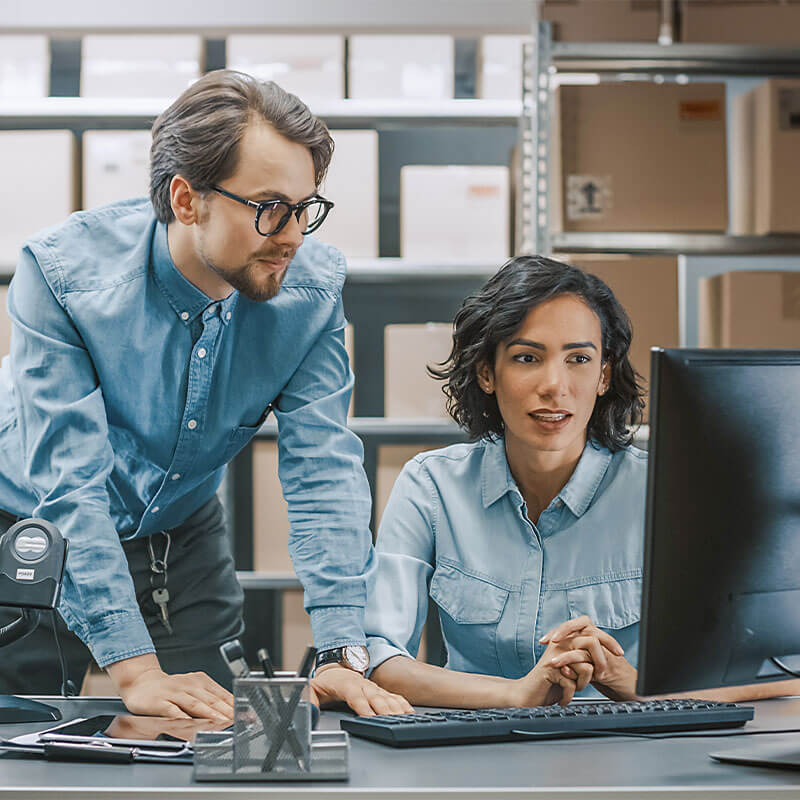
[533,197]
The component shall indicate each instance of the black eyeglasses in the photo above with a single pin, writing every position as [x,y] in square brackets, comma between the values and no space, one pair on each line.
[272,215]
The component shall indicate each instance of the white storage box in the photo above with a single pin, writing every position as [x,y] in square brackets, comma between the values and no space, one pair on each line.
[312,67]
[453,212]
[352,183]
[139,66]
[116,165]
[413,67]
[24,66]
[500,67]
[38,187]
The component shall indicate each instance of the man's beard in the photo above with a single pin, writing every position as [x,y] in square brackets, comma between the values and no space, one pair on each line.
[250,280]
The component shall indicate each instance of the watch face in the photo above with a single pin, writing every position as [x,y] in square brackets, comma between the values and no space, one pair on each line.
[357,657]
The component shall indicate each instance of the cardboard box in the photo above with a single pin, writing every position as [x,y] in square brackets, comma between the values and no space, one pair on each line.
[647,288]
[391,460]
[270,510]
[411,67]
[408,349]
[312,67]
[455,212]
[352,183]
[499,68]
[116,165]
[750,309]
[5,323]
[157,65]
[296,628]
[766,168]
[603,20]
[640,157]
[24,66]
[775,22]
[38,188]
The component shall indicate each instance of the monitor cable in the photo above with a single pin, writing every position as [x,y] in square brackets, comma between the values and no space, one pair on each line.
[67,686]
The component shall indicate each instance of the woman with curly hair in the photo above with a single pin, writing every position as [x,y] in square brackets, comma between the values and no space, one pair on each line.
[529,538]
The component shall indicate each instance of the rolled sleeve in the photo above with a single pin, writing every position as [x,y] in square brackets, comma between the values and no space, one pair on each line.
[398,604]
[324,484]
[68,458]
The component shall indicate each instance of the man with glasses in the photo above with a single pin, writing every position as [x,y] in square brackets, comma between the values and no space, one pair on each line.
[151,338]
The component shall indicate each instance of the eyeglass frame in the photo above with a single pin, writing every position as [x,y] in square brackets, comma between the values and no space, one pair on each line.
[294,208]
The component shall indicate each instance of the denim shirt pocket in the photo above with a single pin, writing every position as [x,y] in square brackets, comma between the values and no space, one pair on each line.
[610,604]
[242,435]
[471,607]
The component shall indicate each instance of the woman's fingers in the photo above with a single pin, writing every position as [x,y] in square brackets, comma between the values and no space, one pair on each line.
[567,629]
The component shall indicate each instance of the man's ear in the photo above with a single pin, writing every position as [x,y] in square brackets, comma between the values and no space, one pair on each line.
[485,377]
[605,379]
[184,201]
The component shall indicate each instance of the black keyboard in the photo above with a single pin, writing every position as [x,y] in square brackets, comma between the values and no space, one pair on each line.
[546,722]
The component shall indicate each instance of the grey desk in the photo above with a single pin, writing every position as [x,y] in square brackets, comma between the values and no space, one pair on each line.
[580,769]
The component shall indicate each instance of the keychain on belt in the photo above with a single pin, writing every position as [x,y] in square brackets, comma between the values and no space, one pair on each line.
[158,578]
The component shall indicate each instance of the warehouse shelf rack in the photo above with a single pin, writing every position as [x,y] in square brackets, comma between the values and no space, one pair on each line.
[545,59]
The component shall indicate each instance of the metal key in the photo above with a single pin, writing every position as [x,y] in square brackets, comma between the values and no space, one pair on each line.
[161,598]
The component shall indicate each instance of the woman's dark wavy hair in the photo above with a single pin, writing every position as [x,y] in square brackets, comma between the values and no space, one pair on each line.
[495,313]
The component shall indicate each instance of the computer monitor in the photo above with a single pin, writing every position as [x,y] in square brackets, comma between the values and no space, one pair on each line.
[721,592]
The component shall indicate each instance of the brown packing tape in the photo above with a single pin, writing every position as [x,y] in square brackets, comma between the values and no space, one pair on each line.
[700,110]
[791,296]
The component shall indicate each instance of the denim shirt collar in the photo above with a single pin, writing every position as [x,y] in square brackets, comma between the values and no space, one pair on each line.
[185,298]
[577,494]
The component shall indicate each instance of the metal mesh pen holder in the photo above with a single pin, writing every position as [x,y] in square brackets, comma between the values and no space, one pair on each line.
[272,738]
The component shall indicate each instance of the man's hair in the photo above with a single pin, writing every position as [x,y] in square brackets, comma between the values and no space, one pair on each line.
[199,135]
[495,313]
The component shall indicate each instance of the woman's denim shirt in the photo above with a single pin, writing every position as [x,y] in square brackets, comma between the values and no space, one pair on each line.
[456,529]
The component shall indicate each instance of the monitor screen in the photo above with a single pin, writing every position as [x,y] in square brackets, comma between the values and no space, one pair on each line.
[721,592]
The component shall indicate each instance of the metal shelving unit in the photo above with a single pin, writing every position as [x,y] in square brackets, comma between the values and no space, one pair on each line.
[624,60]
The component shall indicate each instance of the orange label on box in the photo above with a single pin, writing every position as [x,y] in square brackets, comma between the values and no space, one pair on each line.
[791,296]
[700,110]
[484,191]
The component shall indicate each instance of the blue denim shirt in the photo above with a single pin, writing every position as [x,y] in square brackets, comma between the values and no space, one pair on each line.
[456,529]
[127,390]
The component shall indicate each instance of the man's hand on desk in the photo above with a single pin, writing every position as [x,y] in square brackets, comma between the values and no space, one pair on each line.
[333,683]
[146,689]
[582,642]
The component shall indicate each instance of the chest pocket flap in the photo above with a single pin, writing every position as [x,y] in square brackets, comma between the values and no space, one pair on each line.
[611,604]
[466,598]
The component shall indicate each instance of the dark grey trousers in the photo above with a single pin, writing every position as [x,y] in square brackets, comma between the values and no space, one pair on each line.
[205,609]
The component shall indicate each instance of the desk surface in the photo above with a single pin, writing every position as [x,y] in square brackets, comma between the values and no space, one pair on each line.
[603,768]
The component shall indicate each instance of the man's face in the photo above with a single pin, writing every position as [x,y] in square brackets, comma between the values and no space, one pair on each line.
[271,167]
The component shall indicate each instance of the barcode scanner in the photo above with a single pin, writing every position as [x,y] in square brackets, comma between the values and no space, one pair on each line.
[33,554]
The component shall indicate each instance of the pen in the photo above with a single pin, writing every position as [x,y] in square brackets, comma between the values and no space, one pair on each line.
[307,663]
[233,654]
[266,663]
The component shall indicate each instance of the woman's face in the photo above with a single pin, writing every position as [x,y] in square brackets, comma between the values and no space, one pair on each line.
[548,375]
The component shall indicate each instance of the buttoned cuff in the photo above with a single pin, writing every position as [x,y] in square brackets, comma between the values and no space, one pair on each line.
[380,650]
[117,636]
[337,626]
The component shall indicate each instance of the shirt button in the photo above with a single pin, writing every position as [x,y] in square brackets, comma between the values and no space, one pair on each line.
[184,315]
[191,424]
[228,315]
[154,509]
[176,476]
[201,353]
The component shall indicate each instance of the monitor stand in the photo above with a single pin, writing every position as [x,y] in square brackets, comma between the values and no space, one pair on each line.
[21,709]
[780,756]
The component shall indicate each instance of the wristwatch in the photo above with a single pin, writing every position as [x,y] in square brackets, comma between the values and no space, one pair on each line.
[352,656]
